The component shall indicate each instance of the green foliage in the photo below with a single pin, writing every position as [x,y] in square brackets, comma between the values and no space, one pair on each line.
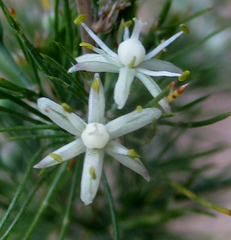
[46,204]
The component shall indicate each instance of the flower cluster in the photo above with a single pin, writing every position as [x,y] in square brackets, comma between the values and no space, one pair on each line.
[97,137]
[130,62]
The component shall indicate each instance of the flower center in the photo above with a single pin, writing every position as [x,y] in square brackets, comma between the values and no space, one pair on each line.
[131,49]
[95,135]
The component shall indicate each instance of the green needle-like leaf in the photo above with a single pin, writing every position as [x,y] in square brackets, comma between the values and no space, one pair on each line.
[25,205]
[33,127]
[45,202]
[66,218]
[196,124]
[29,169]
[111,206]
[29,137]
[155,101]
[23,104]
[20,115]
[200,200]
[192,104]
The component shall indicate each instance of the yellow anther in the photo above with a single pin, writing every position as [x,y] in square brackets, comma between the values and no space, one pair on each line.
[139,109]
[46,4]
[184,28]
[131,64]
[92,172]
[56,157]
[81,18]
[67,108]
[87,45]
[133,154]
[184,75]
[95,85]
[126,24]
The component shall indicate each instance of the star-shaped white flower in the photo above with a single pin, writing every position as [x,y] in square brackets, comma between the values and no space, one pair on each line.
[95,138]
[131,61]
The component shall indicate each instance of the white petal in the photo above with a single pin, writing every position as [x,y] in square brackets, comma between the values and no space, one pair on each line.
[90,57]
[100,42]
[96,101]
[159,65]
[66,152]
[157,73]
[117,151]
[131,122]
[108,58]
[122,87]
[94,67]
[162,46]
[154,89]
[91,175]
[62,118]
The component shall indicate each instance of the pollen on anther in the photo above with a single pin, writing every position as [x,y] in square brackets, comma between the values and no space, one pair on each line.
[139,109]
[184,28]
[56,157]
[133,154]
[184,75]
[66,108]
[92,172]
[81,18]
[95,85]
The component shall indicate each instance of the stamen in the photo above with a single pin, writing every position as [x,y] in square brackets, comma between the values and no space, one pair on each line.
[67,108]
[95,85]
[184,28]
[87,45]
[132,63]
[46,4]
[92,172]
[133,154]
[56,157]
[139,109]
[126,24]
[184,75]
[81,18]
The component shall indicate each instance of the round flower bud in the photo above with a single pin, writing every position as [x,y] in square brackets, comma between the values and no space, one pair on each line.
[131,50]
[95,135]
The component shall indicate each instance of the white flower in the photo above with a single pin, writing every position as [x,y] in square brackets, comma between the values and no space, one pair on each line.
[95,138]
[131,61]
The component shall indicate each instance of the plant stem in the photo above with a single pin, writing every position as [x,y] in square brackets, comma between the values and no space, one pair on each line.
[112,207]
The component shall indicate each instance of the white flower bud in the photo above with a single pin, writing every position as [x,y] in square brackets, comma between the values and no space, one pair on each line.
[95,135]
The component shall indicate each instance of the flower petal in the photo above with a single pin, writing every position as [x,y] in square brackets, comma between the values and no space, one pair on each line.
[162,46]
[64,153]
[159,65]
[131,122]
[91,175]
[90,57]
[122,87]
[108,58]
[96,101]
[157,73]
[120,153]
[93,66]
[100,42]
[68,121]
[154,89]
